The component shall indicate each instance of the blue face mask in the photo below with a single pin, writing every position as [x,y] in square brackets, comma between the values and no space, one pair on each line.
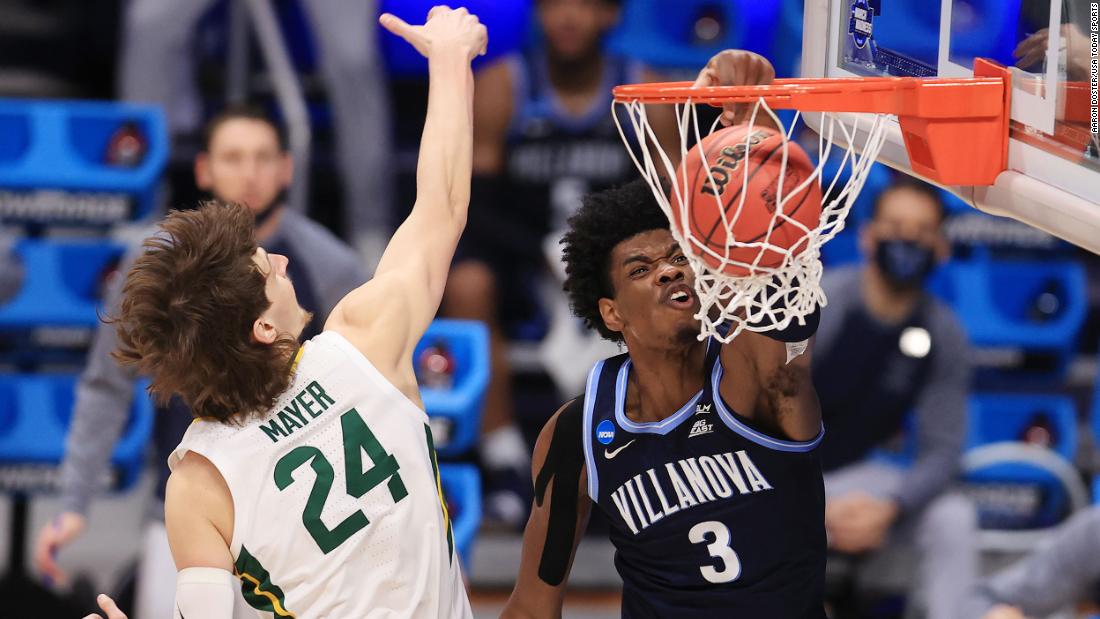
[905,264]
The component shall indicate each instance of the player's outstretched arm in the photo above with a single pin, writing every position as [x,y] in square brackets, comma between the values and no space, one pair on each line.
[387,316]
[767,375]
[558,518]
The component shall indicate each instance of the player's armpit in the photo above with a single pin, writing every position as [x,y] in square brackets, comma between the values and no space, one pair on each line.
[761,383]
[788,398]
[375,319]
[558,517]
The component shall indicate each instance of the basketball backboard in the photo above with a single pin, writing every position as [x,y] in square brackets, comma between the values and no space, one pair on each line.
[1053,177]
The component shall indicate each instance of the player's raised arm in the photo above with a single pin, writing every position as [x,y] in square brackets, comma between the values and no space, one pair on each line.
[558,518]
[386,316]
[770,372]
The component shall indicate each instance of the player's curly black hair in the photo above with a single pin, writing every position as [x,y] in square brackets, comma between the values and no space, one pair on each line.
[604,220]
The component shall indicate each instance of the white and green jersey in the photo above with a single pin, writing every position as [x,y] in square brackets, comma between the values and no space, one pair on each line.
[338,511]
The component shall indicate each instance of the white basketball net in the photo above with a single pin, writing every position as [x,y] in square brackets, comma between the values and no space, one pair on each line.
[768,298]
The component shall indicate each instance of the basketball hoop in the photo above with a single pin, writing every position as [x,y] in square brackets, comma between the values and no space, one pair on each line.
[955,132]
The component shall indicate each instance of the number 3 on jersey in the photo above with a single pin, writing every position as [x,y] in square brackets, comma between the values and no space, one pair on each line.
[357,439]
[719,548]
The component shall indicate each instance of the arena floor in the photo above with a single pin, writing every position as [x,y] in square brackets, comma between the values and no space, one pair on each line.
[111,542]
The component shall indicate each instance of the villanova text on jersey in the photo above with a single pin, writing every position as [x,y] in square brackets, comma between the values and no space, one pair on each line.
[641,500]
[709,516]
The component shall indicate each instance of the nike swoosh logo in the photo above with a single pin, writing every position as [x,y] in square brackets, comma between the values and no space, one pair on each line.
[611,453]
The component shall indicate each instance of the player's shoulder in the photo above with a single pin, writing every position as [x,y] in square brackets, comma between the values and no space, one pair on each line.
[195,479]
[604,370]
[327,350]
[204,437]
[194,471]
[559,450]
[564,426]
[571,413]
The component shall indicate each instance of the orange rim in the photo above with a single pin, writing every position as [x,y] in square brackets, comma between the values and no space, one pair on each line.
[955,129]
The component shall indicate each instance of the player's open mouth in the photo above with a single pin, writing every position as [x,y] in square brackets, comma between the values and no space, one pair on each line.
[680,297]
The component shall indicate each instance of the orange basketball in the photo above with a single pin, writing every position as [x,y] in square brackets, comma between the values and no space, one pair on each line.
[726,159]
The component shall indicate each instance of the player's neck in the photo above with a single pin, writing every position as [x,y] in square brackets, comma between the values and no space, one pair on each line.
[885,302]
[662,380]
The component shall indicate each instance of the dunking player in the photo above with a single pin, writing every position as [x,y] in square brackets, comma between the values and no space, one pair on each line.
[310,471]
[700,455]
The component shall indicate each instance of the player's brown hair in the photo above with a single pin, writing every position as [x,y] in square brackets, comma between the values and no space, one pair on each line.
[188,307]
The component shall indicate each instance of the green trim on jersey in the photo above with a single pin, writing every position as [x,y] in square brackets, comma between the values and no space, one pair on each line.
[442,500]
[256,586]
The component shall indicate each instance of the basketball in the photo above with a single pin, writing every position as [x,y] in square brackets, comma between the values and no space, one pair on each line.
[724,155]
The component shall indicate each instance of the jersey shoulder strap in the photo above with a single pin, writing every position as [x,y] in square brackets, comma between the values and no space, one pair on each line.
[200,438]
[599,408]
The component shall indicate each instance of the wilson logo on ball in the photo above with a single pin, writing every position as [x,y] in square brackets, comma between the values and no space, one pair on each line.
[738,220]
[728,160]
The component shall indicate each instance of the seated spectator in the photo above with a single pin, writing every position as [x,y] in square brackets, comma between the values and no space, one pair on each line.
[1062,572]
[157,62]
[244,160]
[543,138]
[887,347]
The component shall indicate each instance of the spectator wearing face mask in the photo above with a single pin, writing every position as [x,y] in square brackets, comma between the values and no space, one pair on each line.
[886,348]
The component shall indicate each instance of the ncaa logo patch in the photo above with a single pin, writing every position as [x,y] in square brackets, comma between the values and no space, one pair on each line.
[605,432]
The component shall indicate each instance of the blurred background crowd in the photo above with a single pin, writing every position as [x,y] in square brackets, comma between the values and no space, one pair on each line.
[956,360]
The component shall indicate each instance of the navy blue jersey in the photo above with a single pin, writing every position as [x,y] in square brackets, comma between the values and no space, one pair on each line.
[709,517]
[554,158]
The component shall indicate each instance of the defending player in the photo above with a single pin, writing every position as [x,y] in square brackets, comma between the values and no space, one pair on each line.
[310,471]
[699,454]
